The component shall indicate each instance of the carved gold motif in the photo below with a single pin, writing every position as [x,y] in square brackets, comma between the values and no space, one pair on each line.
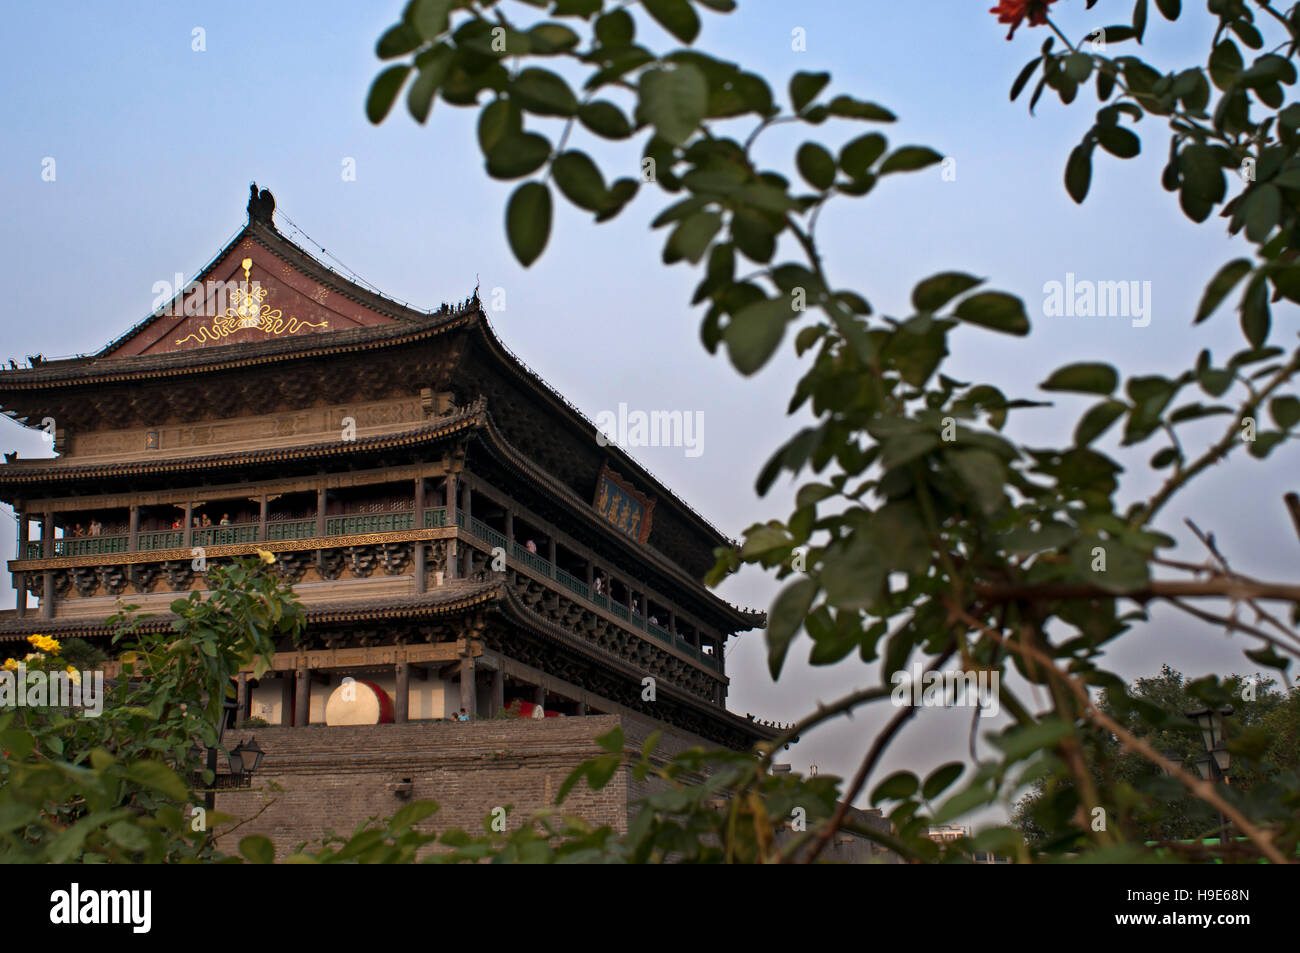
[249,310]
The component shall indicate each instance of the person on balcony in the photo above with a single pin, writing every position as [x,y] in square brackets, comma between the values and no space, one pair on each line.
[600,585]
[78,530]
[530,546]
[225,519]
[96,527]
[207,520]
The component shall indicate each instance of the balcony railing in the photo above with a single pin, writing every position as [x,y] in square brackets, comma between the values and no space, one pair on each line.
[364,523]
[290,529]
[225,535]
[532,559]
[571,582]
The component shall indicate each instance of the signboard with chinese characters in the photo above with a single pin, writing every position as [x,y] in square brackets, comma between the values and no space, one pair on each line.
[617,501]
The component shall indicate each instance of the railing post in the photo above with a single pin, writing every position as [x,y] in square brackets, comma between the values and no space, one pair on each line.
[320,510]
[452,554]
[188,539]
[264,514]
[302,698]
[403,678]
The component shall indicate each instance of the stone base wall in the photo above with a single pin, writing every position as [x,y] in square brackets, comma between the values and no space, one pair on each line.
[337,777]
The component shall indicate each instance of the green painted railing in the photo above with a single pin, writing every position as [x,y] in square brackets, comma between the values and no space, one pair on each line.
[365,523]
[165,539]
[225,535]
[290,529]
[90,545]
[533,560]
[33,549]
[686,647]
[620,611]
[484,532]
[662,634]
[572,582]
[602,601]
[435,517]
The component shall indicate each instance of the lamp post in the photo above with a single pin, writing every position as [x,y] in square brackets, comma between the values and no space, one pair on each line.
[244,760]
[1217,760]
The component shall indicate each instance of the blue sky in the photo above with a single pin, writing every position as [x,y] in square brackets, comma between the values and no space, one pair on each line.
[155,145]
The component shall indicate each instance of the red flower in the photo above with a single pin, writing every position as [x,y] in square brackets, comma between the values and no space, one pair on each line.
[1015,11]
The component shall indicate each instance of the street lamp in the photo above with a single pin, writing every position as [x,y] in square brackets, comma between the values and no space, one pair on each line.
[1214,765]
[1217,759]
[245,758]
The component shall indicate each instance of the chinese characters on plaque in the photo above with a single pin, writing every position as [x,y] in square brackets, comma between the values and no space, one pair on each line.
[618,502]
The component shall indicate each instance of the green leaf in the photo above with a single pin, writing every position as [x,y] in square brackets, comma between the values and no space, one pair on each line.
[755,331]
[1255,317]
[691,238]
[543,93]
[816,165]
[383,92]
[1097,421]
[909,159]
[1223,282]
[674,101]
[515,156]
[1118,141]
[158,777]
[787,615]
[128,834]
[804,87]
[612,740]
[615,29]
[678,17]
[995,310]
[1260,210]
[605,119]
[546,39]
[1083,378]
[1078,172]
[1023,77]
[1285,411]
[429,18]
[499,119]
[846,107]
[937,290]
[257,849]
[896,787]
[1020,742]
[528,221]
[433,67]
[941,779]
[858,155]
[580,180]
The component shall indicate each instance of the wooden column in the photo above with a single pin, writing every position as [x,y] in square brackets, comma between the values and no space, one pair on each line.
[20,594]
[263,516]
[539,696]
[452,555]
[550,550]
[401,711]
[286,700]
[467,692]
[421,583]
[302,698]
[498,691]
[241,698]
[320,510]
[133,529]
[47,551]
[591,577]
[510,529]
[47,601]
[24,531]
[469,502]
[188,540]
[582,706]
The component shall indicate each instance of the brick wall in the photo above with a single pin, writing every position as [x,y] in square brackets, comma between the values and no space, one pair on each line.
[336,777]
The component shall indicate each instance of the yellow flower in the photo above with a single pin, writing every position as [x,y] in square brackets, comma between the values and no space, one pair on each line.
[74,675]
[34,656]
[266,556]
[11,664]
[44,643]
